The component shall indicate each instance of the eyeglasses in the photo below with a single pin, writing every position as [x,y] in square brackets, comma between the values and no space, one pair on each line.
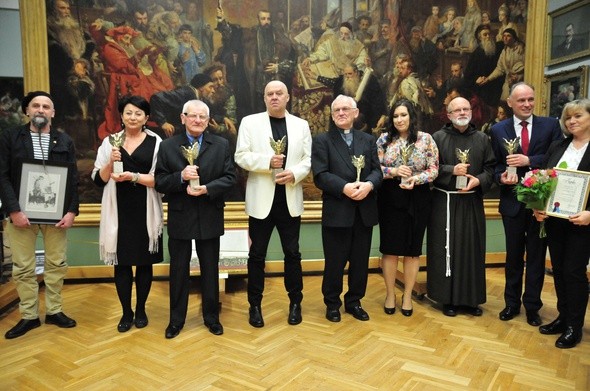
[344,109]
[194,117]
[461,110]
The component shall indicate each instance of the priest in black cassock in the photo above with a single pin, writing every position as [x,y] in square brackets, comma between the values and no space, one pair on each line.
[457,227]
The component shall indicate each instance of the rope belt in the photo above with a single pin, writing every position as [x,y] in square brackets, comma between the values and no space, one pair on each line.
[448,227]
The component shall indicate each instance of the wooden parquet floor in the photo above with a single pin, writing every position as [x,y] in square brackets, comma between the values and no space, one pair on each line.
[427,351]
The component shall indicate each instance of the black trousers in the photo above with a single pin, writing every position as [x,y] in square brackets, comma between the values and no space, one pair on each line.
[351,244]
[570,250]
[180,257]
[522,235]
[260,231]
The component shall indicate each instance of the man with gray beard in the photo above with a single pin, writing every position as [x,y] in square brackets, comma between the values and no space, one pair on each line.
[482,62]
[38,143]
[456,238]
[341,49]
[67,43]
[365,89]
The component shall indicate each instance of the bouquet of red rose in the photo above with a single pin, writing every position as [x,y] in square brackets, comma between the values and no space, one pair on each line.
[534,190]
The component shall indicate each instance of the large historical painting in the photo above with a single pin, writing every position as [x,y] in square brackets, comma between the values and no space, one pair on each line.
[224,52]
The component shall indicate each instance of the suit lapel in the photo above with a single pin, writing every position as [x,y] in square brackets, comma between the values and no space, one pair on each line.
[585,162]
[537,134]
[558,153]
[510,132]
[342,148]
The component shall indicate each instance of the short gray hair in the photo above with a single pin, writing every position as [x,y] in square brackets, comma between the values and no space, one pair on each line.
[197,103]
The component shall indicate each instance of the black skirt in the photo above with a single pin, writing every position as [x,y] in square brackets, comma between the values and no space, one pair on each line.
[403,216]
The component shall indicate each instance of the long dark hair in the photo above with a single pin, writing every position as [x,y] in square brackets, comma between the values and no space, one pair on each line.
[412,129]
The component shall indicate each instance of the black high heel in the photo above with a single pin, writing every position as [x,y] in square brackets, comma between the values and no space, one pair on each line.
[406,312]
[389,311]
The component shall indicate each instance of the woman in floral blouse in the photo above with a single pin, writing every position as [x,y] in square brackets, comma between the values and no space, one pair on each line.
[409,161]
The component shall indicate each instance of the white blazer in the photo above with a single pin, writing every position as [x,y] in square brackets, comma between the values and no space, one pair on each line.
[253,154]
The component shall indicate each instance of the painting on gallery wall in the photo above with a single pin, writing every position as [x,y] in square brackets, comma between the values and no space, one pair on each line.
[564,87]
[569,32]
[224,52]
[11,95]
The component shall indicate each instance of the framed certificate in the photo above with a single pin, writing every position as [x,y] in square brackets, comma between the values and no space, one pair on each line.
[570,194]
[44,189]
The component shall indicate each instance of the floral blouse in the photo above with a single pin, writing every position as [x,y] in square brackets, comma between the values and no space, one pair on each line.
[423,159]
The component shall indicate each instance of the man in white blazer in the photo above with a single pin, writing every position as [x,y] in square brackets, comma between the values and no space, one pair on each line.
[274,194]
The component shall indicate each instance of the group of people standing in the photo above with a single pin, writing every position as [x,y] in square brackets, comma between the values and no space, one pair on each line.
[406,181]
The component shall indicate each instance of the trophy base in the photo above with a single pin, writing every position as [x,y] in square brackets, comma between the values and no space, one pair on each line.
[461,182]
[405,180]
[511,170]
[117,168]
[194,183]
[276,171]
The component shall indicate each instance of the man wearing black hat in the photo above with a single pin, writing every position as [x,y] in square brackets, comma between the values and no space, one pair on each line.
[166,105]
[266,53]
[510,63]
[37,141]
[482,62]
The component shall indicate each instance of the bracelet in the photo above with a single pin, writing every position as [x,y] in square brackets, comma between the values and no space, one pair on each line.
[135,178]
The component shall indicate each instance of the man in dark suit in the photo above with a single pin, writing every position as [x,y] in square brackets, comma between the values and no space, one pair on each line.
[349,209]
[195,212]
[520,227]
[571,44]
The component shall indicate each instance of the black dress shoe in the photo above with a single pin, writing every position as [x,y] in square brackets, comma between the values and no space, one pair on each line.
[508,313]
[215,328]
[125,324]
[449,310]
[389,311]
[533,318]
[570,338]
[172,331]
[558,326]
[141,321]
[22,327]
[406,312]
[358,312]
[255,318]
[333,315]
[294,314]
[61,320]
[475,311]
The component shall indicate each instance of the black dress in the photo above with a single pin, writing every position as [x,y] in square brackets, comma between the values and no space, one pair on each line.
[403,216]
[132,238]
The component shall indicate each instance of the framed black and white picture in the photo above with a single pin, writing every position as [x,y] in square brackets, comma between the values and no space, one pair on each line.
[43,190]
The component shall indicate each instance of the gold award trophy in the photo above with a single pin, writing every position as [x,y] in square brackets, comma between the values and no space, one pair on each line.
[191,154]
[278,147]
[117,140]
[405,152]
[511,147]
[463,157]
[359,163]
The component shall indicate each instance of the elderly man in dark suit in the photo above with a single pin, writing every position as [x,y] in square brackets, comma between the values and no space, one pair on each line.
[520,227]
[349,209]
[195,211]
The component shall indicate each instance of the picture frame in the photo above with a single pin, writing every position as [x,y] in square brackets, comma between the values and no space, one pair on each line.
[564,87]
[568,32]
[33,15]
[44,190]
[570,195]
